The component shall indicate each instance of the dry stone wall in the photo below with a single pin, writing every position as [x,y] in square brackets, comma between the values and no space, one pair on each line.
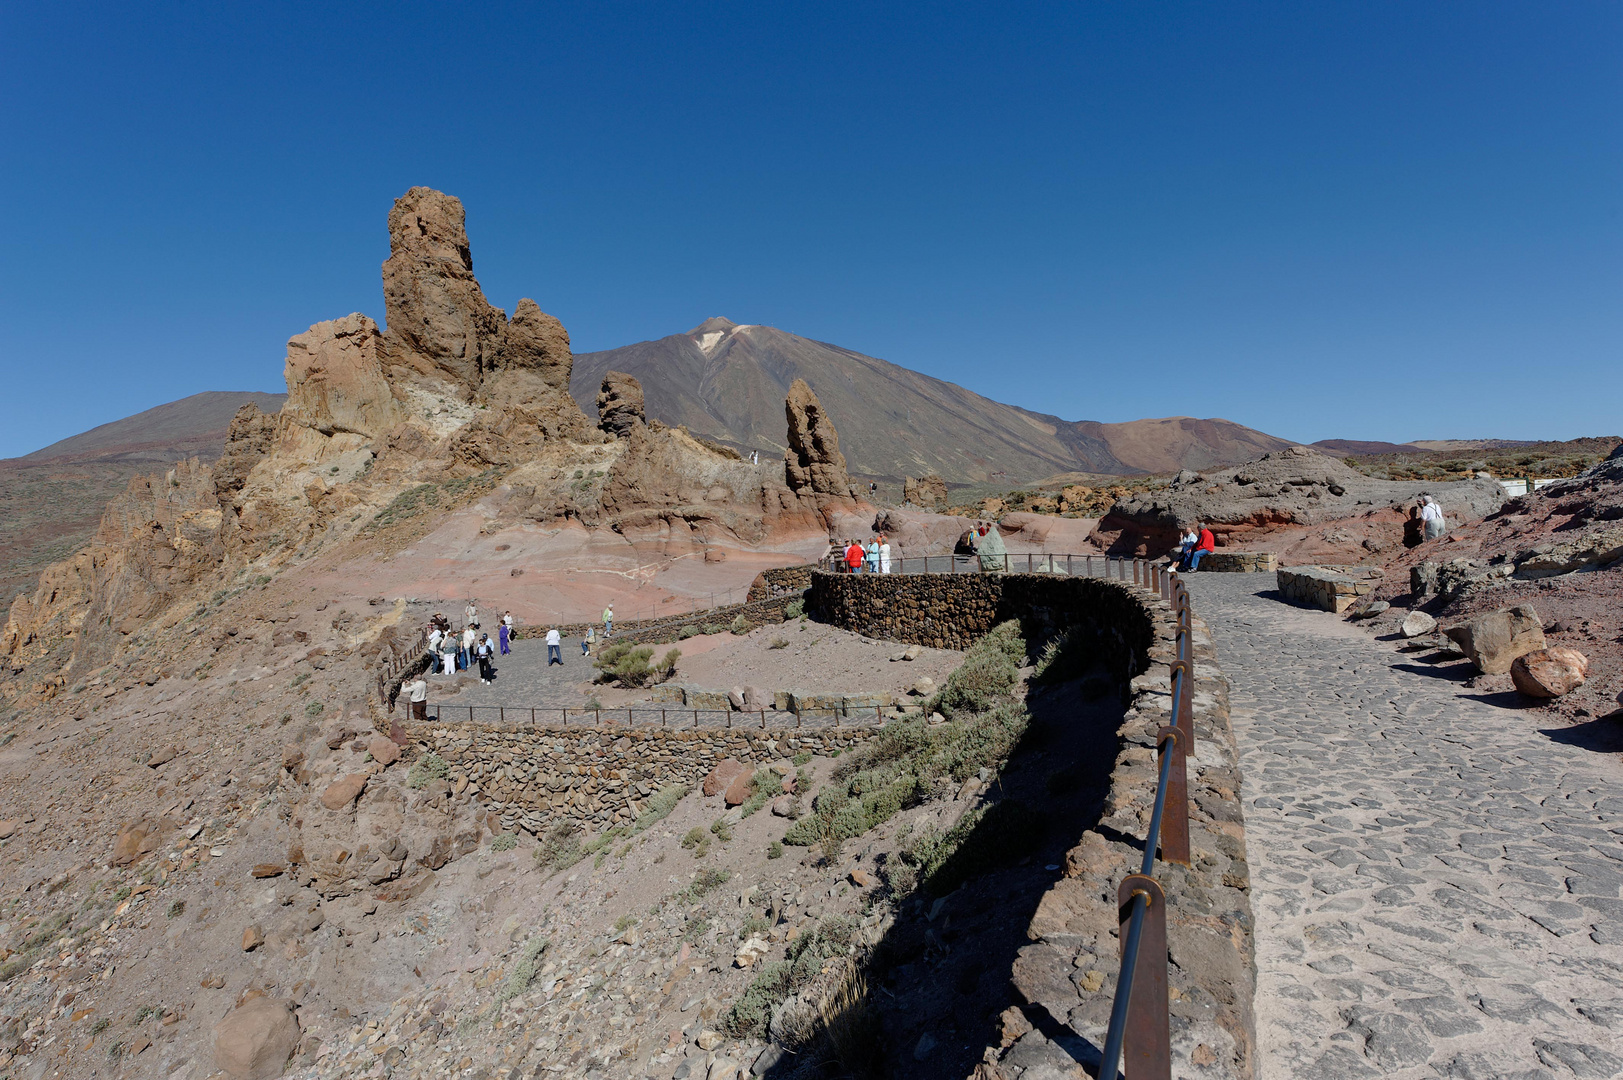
[598,777]
[1322,587]
[1070,968]
[1239,562]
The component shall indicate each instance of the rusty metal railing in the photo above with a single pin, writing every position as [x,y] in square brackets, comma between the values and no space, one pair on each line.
[1028,562]
[1140,1032]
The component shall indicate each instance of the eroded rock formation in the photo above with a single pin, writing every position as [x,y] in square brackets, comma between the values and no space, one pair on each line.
[620,404]
[926,491]
[813,466]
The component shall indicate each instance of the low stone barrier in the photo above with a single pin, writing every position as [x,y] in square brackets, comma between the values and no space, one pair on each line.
[1321,587]
[1239,562]
[599,777]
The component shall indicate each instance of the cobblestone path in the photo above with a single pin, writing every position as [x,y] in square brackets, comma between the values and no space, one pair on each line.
[1435,883]
[522,678]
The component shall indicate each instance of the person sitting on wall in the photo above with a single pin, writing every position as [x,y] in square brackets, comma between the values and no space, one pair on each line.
[1207,544]
[1186,545]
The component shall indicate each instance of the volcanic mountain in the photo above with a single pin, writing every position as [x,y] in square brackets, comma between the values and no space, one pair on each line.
[727,382]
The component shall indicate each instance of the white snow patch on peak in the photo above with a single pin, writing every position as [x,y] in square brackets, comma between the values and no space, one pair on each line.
[708,342]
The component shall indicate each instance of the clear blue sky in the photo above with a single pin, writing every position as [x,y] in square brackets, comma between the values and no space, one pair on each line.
[1361,220]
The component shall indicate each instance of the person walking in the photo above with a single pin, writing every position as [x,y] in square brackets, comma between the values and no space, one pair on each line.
[466,656]
[501,636]
[884,554]
[507,621]
[1431,517]
[555,652]
[588,640]
[485,651]
[608,621]
[417,695]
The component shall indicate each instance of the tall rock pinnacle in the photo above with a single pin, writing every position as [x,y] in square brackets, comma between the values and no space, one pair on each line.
[813,466]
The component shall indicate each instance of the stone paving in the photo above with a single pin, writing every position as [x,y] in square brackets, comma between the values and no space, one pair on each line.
[522,678]
[1435,882]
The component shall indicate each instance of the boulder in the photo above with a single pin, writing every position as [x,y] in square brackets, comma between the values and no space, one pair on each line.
[341,793]
[383,749]
[782,805]
[255,1040]
[1423,579]
[252,938]
[754,701]
[924,687]
[751,950]
[722,775]
[735,698]
[1550,673]
[738,789]
[1369,611]
[928,492]
[1598,547]
[1494,640]
[620,404]
[1417,623]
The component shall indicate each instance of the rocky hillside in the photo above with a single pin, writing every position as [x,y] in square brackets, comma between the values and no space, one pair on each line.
[726,381]
[51,500]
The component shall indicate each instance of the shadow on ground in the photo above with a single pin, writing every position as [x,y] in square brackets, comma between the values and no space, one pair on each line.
[940,978]
[1603,735]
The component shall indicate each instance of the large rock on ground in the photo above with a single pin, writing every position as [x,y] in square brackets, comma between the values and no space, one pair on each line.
[341,793]
[254,1041]
[1550,673]
[620,404]
[1417,623]
[813,466]
[722,775]
[1494,640]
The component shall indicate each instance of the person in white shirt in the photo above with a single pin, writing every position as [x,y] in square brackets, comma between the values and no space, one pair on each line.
[555,652]
[884,555]
[1431,517]
[417,694]
[448,653]
[467,647]
[471,614]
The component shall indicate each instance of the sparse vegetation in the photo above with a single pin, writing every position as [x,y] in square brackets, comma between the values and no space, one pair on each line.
[777,980]
[794,609]
[659,806]
[740,625]
[778,643]
[523,973]
[504,842]
[629,665]
[426,770]
[687,632]
[774,850]
[722,830]
[560,848]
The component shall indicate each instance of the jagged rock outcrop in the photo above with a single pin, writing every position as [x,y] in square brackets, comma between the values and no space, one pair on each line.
[620,404]
[250,437]
[926,491]
[155,540]
[336,384]
[1294,486]
[813,466]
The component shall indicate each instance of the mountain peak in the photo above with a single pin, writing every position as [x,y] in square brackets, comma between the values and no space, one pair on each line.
[713,324]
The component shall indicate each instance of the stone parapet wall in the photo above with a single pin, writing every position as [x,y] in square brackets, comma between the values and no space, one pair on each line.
[1239,562]
[953,611]
[1071,967]
[599,777]
[781,581]
[1321,587]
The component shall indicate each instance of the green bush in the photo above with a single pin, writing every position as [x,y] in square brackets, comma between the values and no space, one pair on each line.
[774,850]
[504,842]
[982,840]
[979,681]
[659,806]
[751,1014]
[428,768]
[794,609]
[722,830]
[764,786]
[740,625]
[560,848]
[629,664]
[687,632]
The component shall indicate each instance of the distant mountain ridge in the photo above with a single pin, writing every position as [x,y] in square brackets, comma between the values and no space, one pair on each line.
[727,381]
[192,426]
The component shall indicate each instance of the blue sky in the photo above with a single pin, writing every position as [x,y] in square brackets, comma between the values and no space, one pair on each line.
[1383,221]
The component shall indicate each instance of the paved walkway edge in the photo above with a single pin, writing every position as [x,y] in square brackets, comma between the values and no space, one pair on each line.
[1070,969]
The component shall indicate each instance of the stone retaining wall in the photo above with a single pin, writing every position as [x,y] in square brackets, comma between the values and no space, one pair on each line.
[1321,587]
[1071,967]
[1239,562]
[599,777]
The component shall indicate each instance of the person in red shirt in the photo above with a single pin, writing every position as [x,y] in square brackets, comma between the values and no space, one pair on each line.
[854,556]
[1207,544]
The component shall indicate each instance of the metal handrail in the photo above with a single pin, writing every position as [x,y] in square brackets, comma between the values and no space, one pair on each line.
[1143,1027]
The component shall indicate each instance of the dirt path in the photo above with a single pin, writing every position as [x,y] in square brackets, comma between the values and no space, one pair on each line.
[1437,881]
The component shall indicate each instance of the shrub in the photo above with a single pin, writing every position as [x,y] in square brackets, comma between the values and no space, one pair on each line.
[560,848]
[740,625]
[802,758]
[764,785]
[982,839]
[524,971]
[504,842]
[979,681]
[794,609]
[629,664]
[429,767]
[722,830]
[687,632]
[774,983]
[779,643]
[774,850]
[694,837]
[313,709]
[659,806]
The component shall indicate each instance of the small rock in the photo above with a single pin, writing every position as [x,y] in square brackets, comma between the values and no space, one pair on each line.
[339,737]
[924,687]
[782,805]
[268,870]
[707,1040]
[1369,611]
[768,1058]
[862,879]
[7,829]
[254,1041]
[722,1069]
[162,757]
[1417,623]
[342,792]
[383,749]
[752,950]
[252,938]
[1550,673]
[913,652]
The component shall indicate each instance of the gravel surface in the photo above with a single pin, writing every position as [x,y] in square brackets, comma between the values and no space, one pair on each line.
[1436,881]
